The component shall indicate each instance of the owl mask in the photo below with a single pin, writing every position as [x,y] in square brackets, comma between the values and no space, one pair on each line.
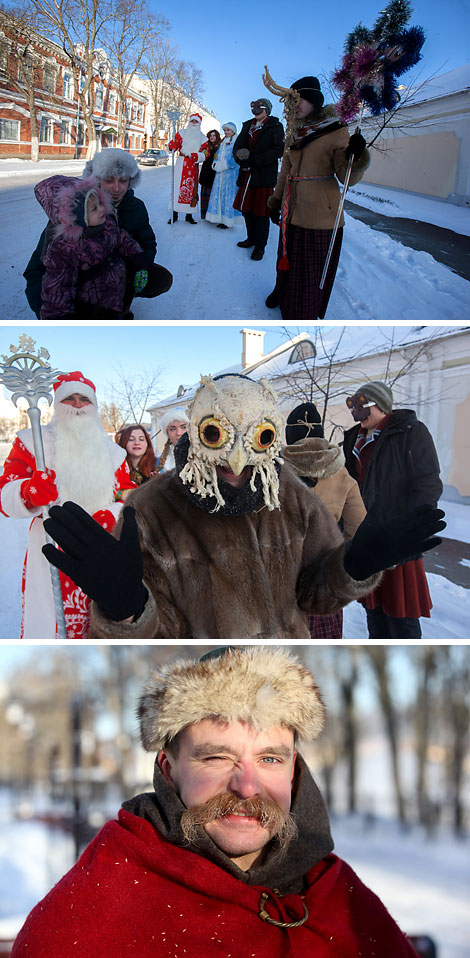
[234,423]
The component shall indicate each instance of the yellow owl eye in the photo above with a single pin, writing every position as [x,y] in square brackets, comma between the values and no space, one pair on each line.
[265,435]
[212,433]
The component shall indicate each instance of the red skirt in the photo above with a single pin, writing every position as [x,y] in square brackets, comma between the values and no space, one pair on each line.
[252,200]
[403,592]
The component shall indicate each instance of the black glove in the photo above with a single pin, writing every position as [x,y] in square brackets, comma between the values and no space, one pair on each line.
[275,216]
[108,570]
[378,545]
[356,146]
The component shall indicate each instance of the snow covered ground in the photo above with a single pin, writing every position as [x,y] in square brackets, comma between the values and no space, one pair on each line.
[378,280]
[424,883]
[450,616]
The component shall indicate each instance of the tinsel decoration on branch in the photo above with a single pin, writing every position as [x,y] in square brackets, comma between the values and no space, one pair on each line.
[374,59]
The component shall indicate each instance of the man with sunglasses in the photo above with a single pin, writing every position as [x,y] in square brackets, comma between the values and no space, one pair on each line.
[393,458]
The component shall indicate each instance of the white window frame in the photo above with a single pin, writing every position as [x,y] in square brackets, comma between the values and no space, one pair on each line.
[49,138]
[9,139]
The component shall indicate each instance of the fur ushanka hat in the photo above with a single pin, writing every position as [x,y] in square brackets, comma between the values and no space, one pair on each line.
[113,162]
[265,687]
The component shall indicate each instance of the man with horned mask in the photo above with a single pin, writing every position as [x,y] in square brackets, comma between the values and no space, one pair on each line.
[231,854]
[230,544]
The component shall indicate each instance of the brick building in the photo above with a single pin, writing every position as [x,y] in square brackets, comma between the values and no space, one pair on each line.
[29,59]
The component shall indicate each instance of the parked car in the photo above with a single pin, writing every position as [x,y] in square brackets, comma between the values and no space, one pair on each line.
[153,158]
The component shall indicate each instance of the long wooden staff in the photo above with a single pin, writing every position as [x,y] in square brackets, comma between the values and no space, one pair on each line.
[31,379]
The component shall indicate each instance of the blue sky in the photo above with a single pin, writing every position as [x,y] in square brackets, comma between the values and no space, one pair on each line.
[231,42]
[182,353]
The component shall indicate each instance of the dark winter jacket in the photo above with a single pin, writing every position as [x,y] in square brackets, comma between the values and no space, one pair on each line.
[131,216]
[263,159]
[83,265]
[403,471]
[206,173]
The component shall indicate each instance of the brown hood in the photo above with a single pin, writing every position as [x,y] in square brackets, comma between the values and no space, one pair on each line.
[314,458]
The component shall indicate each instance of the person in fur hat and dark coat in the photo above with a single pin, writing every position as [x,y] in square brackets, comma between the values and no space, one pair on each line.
[117,174]
[257,150]
[393,458]
[231,854]
[85,258]
[320,465]
[230,544]
[305,200]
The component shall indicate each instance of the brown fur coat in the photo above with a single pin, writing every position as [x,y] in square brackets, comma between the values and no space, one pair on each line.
[216,577]
[324,461]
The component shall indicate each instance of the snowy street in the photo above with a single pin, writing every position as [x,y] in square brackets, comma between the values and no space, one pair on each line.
[378,280]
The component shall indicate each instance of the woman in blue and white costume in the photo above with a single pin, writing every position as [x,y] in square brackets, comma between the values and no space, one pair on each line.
[224,187]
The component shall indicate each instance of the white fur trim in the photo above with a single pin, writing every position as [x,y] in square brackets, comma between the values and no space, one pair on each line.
[12,503]
[66,389]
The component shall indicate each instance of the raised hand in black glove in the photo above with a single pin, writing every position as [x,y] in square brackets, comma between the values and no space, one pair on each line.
[356,146]
[377,545]
[108,570]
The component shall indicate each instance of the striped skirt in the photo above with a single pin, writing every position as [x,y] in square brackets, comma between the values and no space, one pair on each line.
[204,197]
[326,626]
[298,288]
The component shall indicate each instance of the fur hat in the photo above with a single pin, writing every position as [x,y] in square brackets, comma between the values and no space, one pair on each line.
[113,162]
[379,393]
[230,125]
[303,422]
[263,686]
[172,415]
[309,89]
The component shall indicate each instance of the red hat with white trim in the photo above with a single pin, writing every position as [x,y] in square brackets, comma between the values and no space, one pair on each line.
[69,383]
[195,116]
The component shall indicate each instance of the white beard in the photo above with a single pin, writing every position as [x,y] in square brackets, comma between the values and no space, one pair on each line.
[82,458]
[192,139]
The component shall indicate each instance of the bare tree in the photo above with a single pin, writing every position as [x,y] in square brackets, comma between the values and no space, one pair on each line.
[454,664]
[423,712]
[25,66]
[379,656]
[112,417]
[132,393]
[128,36]
[158,67]
[78,26]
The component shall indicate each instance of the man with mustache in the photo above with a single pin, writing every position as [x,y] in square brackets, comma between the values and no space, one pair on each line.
[231,854]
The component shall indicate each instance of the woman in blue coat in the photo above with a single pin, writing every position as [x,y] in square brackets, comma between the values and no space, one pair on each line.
[224,187]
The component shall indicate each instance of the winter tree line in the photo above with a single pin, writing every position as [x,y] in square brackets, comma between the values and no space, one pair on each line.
[413,699]
[103,39]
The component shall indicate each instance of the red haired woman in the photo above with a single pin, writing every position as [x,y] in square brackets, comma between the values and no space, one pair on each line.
[141,457]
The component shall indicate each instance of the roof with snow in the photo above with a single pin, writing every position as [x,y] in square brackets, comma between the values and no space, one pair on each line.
[328,344]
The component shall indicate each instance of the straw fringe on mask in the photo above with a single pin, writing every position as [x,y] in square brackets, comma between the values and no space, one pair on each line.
[265,687]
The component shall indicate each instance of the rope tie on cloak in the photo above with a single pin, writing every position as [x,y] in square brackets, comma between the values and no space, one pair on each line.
[263,914]
[284,262]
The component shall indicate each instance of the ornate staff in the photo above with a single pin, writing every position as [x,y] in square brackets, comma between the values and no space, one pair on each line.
[28,375]
[173,115]
[372,62]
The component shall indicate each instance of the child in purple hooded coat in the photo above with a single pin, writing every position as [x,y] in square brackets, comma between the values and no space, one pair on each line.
[85,253]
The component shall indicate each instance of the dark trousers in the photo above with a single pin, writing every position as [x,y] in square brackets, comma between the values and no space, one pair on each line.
[382,626]
[257,229]
[159,281]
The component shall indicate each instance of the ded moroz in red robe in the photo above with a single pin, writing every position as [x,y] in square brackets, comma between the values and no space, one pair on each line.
[134,893]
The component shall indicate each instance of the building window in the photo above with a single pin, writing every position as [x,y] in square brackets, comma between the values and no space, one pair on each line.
[49,79]
[10,130]
[112,103]
[46,132]
[28,68]
[305,350]
[65,132]
[67,87]
[80,133]
[99,97]
[126,142]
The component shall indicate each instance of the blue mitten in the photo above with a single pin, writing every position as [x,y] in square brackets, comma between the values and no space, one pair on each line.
[140,280]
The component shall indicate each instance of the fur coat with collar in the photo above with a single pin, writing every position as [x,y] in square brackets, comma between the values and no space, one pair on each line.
[323,461]
[137,891]
[322,160]
[252,576]
[84,264]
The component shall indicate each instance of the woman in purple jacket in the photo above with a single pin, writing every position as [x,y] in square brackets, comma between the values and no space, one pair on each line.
[85,258]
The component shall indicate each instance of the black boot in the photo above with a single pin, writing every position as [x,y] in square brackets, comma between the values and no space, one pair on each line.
[246,244]
[271,301]
[175,217]
[189,219]
[257,253]
[222,226]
